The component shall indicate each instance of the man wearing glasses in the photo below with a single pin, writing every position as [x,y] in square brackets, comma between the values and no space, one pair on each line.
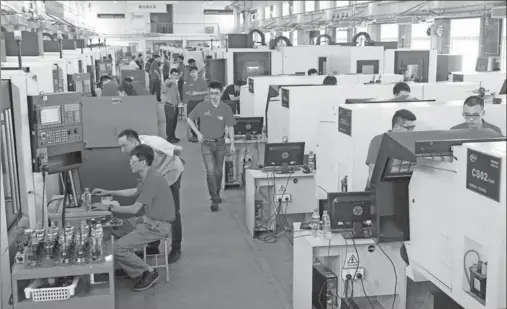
[473,112]
[156,201]
[214,116]
[168,163]
[403,120]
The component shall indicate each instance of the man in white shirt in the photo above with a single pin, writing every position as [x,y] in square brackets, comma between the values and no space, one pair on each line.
[168,163]
[133,64]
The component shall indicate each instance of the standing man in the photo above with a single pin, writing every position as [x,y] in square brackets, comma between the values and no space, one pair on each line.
[140,61]
[156,202]
[403,120]
[168,164]
[183,74]
[156,77]
[166,67]
[171,101]
[194,90]
[214,116]
[473,112]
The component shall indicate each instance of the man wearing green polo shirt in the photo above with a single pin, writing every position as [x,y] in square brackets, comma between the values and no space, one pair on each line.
[473,112]
[156,201]
[214,116]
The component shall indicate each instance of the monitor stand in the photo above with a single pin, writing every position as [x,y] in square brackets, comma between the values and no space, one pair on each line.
[284,169]
[357,231]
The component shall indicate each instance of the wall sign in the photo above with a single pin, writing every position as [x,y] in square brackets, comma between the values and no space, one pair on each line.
[147,7]
[285,98]
[345,121]
[483,174]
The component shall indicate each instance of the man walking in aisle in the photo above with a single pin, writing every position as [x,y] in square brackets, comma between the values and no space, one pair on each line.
[171,100]
[168,163]
[214,116]
[156,77]
[195,90]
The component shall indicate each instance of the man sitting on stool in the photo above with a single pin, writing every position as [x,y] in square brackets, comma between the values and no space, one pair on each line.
[156,201]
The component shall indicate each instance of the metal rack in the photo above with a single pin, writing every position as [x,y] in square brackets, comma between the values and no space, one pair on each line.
[87,295]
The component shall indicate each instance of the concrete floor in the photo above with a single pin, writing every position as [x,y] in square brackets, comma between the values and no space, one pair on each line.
[222,267]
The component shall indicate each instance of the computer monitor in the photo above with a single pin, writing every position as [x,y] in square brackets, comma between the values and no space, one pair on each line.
[284,155]
[349,208]
[248,125]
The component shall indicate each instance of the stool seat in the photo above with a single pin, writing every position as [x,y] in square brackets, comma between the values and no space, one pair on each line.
[154,258]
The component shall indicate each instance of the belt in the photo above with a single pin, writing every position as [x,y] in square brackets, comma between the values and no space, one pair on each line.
[207,139]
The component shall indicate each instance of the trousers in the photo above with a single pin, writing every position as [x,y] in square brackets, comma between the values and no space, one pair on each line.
[213,154]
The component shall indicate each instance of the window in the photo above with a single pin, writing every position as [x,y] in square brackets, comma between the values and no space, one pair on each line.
[361,29]
[341,35]
[420,40]
[267,12]
[286,34]
[309,6]
[389,32]
[465,40]
[285,9]
[341,3]
[503,46]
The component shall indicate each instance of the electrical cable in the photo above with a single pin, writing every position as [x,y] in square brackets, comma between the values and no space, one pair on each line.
[465,264]
[426,300]
[394,269]
[364,291]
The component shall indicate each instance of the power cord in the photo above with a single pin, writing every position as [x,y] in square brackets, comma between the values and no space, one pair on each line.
[465,264]
[394,270]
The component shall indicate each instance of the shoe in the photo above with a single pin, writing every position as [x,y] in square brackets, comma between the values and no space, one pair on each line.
[214,207]
[120,274]
[147,281]
[174,256]
[177,139]
[174,141]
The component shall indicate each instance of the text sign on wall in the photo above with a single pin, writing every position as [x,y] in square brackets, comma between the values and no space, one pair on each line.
[345,121]
[218,12]
[483,174]
[147,7]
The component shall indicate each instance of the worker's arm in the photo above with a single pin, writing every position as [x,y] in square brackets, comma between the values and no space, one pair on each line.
[122,193]
[131,209]
[192,125]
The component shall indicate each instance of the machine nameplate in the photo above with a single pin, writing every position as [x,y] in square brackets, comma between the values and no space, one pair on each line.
[483,174]
[345,121]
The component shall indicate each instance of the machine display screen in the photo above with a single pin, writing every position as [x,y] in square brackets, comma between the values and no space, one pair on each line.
[397,168]
[50,115]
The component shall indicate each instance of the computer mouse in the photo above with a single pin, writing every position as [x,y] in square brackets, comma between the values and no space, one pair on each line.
[306,169]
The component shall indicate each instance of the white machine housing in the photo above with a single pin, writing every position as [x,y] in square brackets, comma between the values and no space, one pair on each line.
[461,220]
[390,56]
[339,155]
[40,77]
[491,81]
[61,63]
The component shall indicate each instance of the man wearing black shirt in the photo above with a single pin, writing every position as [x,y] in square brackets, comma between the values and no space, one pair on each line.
[231,93]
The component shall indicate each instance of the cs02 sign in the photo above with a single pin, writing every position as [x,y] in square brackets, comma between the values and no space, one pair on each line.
[483,174]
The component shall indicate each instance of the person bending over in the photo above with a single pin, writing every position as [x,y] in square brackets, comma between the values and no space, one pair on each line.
[214,116]
[155,200]
[232,92]
[166,162]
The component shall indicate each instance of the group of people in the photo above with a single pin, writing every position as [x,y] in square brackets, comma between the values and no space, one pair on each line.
[158,163]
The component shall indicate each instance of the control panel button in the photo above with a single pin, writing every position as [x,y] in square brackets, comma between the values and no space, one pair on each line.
[43,135]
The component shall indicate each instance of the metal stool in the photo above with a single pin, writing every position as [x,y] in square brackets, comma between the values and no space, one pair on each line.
[155,257]
[183,111]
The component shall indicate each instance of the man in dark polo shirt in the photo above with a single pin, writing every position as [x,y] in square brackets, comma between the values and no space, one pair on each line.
[403,120]
[231,93]
[214,116]
[156,77]
[183,74]
[195,90]
[473,112]
[156,201]
[401,92]
[109,87]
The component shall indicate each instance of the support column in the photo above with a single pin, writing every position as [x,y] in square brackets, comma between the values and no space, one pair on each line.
[40,41]
[350,34]
[404,36]
[441,43]
[375,32]
[303,37]
[278,10]
[331,31]
[237,19]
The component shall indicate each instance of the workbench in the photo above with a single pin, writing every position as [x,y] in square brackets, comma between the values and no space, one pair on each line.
[86,295]
[379,277]
[260,190]
[249,152]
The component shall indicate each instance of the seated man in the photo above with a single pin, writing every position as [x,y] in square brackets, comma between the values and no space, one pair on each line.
[156,201]
[473,112]
[401,92]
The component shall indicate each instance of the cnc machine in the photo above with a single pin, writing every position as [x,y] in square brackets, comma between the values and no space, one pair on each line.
[454,180]
[420,65]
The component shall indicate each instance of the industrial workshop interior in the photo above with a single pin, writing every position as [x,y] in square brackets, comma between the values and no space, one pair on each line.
[253,155]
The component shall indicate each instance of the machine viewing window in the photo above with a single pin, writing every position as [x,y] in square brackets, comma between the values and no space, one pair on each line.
[397,168]
[50,115]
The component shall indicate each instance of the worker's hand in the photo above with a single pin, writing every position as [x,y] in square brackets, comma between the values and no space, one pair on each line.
[111,203]
[99,206]
[232,149]
[200,137]
[101,192]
